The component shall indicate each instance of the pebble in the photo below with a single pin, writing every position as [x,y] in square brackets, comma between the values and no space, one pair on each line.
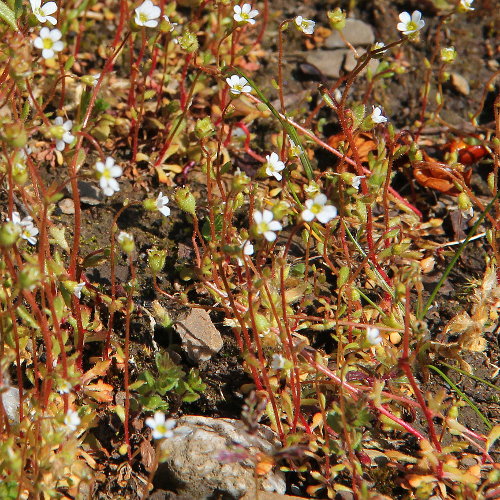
[329,62]
[356,32]
[459,83]
[67,206]
[351,62]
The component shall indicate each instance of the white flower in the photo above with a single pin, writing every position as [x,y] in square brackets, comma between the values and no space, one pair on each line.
[377,116]
[170,25]
[274,166]
[410,24]
[62,132]
[107,174]
[465,5]
[64,387]
[42,12]
[305,25]
[356,181]
[295,149]
[245,14]
[266,225]
[95,78]
[247,248]
[72,420]
[317,208]
[378,46]
[77,291]
[161,428]
[124,237]
[278,362]
[238,85]
[28,231]
[147,14]
[373,336]
[469,212]
[49,42]
[161,205]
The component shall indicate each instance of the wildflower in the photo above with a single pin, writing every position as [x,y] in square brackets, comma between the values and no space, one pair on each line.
[278,362]
[317,208]
[377,116]
[107,174]
[448,54]
[147,14]
[168,25]
[274,166]
[247,248]
[266,225]
[356,181]
[245,14]
[373,336]
[64,387]
[77,292]
[72,420]
[49,42]
[95,79]
[238,85]
[42,12]
[161,428]
[410,24]
[378,46]
[28,231]
[465,5]
[161,205]
[126,241]
[295,149]
[62,132]
[305,25]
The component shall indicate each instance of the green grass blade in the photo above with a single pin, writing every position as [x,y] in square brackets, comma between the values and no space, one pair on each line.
[8,16]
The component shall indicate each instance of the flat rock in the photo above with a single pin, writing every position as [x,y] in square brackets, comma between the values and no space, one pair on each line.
[351,61]
[329,62]
[459,83]
[194,467]
[200,339]
[67,206]
[356,32]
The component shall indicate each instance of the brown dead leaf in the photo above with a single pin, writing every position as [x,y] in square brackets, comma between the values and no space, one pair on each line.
[99,370]
[363,142]
[148,455]
[100,392]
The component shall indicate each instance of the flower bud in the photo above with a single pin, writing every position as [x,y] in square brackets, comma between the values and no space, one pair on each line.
[19,174]
[204,128]
[448,54]
[156,260]
[185,200]
[9,233]
[337,19]
[261,323]
[189,42]
[240,180]
[14,134]
[464,203]
[343,276]
[29,277]
[126,242]
[150,204]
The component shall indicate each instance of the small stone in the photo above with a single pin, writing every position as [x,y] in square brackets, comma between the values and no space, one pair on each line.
[459,83]
[351,62]
[329,62]
[356,32]
[193,465]
[11,401]
[200,339]
[67,206]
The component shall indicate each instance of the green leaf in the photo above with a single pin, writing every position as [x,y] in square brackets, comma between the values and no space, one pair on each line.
[8,16]
[358,114]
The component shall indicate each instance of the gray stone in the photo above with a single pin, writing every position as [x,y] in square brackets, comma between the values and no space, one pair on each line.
[351,62]
[200,339]
[356,32]
[459,83]
[194,467]
[329,62]
[67,206]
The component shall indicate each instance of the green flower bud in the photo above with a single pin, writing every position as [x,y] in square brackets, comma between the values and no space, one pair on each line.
[281,209]
[9,233]
[240,180]
[343,276]
[156,260]
[149,204]
[448,54]
[14,134]
[189,42]
[185,200]
[337,19]
[261,323]
[19,174]
[347,177]
[464,202]
[126,242]
[204,128]
[29,277]
[355,295]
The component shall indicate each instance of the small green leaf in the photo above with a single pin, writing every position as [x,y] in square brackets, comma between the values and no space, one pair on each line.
[8,16]
[358,114]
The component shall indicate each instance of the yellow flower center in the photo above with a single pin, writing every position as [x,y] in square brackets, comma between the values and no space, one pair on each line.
[47,43]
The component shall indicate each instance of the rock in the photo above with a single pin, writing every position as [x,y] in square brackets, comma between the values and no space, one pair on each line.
[90,193]
[356,32]
[200,339]
[329,62]
[193,466]
[459,83]
[350,62]
[10,401]
[67,206]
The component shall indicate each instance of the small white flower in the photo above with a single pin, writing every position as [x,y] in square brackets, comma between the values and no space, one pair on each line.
[161,428]
[377,116]
[28,231]
[356,181]
[77,292]
[317,208]
[465,5]
[161,205]
[266,225]
[64,387]
[238,85]
[147,14]
[274,166]
[373,336]
[248,249]
[107,174]
[72,420]
[62,132]
[305,25]
[171,25]
[410,24]
[312,189]
[245,14]
[378,46]
[49,42]
[124,237]
[278,362]
[42,12]
[95,78]
[469,212]
[295,149]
